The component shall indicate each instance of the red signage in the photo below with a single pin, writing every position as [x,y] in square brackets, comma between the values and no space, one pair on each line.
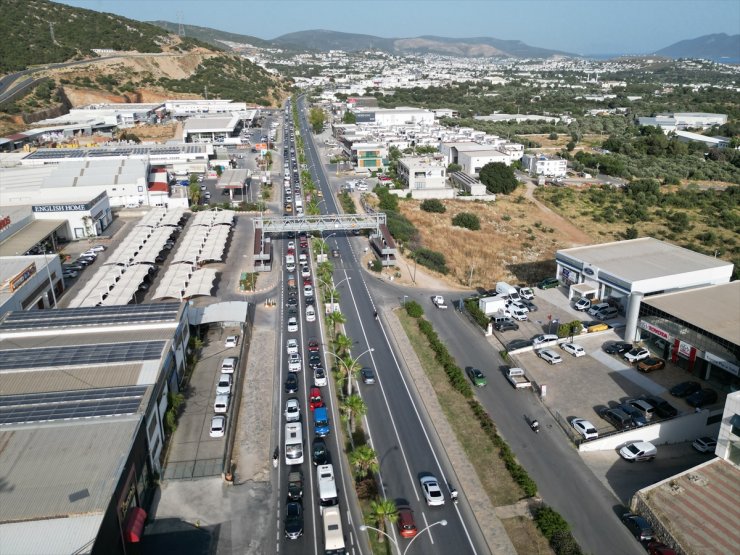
[655,331]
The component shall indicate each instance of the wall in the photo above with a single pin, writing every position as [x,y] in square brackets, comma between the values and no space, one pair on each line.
[677,430]
[732,408]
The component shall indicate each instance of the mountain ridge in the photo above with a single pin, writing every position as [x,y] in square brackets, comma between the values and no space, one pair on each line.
[714,46]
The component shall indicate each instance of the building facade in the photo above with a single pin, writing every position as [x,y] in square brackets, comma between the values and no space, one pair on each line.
[549,166]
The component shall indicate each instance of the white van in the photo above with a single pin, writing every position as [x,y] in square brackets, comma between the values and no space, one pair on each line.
[290,262]
[506,290]
[327,485]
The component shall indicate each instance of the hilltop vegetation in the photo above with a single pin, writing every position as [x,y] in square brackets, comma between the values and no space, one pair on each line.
[41,32]
[212,36]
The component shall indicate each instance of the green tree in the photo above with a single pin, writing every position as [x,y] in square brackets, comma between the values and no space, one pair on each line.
[194,191]
[570,146]
[433,205]
[498,178]
[349,117]
[348,370]
[452,168]
[343,344]
[380,511]
[363,461]
[467,220]
[316,119]
[553,136]
[353,407]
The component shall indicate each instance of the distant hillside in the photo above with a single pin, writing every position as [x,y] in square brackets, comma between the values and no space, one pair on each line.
[42,32]
[211,36]
[324,40]
[712,47]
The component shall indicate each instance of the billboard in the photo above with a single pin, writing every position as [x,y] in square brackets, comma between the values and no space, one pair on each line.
[365,117]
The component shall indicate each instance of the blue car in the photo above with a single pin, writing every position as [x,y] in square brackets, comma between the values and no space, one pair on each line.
[321,422]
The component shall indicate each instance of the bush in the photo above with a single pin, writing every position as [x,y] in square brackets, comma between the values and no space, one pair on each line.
[433,205]
[376,266]
[498,178]
[431,259]
[467,220]
[550,522]
[388,201]
[478,315]
[400,227]
[414,309]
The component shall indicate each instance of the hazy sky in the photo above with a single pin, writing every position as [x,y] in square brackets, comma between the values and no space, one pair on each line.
[577,26]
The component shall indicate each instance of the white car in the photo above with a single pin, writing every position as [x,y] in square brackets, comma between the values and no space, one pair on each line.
[292,346]
[91,253]
[549,356]
[582,304]
[292,410]
[305,272]
[574,349]
[638,451]
[516,305]
[224,384]
[308,290]
[310,314]
[432,491]
[291,244]
[221,404]
[294,363]
[292,324]
[542,339]
[585,428]
[519,314]
[231,341]
[218,426]
[319,377]
[637,354]
[97,248]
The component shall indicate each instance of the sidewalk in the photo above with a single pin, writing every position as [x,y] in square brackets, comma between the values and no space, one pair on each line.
[485,513]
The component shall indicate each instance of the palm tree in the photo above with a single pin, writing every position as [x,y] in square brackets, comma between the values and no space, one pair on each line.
[334,319]
[353,407]
[350,367]
[363,461]
[381,510]
[342,344]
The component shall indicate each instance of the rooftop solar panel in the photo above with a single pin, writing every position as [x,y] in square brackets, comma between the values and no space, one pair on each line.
[79,355]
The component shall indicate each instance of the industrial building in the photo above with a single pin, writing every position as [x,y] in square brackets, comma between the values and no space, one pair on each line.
[684,120]
[28,282]
[82,417]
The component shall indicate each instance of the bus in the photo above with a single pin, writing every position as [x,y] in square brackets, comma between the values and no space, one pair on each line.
[333,536]
[293,443]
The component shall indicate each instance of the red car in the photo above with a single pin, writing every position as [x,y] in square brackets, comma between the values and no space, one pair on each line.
[657,548]
[307,281]
[406,524]
[304,243]
[315,400]
[291,251]
[313,346]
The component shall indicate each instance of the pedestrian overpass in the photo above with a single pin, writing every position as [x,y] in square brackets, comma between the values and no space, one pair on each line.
[322,223]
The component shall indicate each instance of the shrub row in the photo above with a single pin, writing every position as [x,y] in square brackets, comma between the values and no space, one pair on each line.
[555,528]
[516,470]
[478,315]
[454,373]
[348,205]
[414,309]
[431,259]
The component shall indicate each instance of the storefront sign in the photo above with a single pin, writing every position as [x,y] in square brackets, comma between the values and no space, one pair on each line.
[722,363]
[60,208]
[22,277]
[684,349]
[655,331]
[4,222]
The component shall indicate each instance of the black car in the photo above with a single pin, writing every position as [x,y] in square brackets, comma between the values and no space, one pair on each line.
[319,453]
[506,325]
[529,304]
[291,383]
[618,348]
[639,527]
[702,398]
[368,376]
[314,360]
[662,407]
[310,300]
[295,485]
[293,520]
[518,344]
[684,389]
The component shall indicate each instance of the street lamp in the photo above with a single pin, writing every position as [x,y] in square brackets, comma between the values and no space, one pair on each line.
[364,527]
[325,239]
[354,360]
[331,289]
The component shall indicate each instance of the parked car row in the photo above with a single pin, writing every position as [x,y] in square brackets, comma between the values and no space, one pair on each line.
[224,388]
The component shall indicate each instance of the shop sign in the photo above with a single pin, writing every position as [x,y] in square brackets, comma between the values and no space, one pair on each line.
[22,277]
[60,208]
[722,363]
[684,349]
[655,331]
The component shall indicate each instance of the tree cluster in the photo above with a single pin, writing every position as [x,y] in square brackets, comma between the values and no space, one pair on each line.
[498,178]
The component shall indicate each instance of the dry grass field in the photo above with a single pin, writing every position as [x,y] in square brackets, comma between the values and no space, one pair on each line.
[517,240]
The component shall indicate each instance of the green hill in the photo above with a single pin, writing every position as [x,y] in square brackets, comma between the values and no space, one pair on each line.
[41,32]
[212,36]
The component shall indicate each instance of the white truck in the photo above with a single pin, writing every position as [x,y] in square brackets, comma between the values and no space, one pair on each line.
[439,301]
[518,378]
[506,290]
[492,305]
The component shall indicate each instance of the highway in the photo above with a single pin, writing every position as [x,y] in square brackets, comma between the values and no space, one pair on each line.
[400,433]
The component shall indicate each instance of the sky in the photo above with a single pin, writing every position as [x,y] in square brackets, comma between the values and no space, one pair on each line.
[575,26]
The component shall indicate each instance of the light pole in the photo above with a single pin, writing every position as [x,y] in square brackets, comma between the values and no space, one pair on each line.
[324,240]
[354,361]
[331,289]
[364,527]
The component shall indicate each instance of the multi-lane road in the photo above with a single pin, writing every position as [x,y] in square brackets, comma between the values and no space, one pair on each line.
[400,433]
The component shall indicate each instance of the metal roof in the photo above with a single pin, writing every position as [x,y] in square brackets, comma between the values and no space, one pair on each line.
[642,259]
[51,536]
[201,283]
[19,243]
[13,383]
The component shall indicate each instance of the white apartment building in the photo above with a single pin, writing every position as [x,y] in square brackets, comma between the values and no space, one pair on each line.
[425,177]
[539,164]
[397,116]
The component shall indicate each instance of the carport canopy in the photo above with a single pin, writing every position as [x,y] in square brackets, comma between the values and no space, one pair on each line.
[583,290]
[227,312]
